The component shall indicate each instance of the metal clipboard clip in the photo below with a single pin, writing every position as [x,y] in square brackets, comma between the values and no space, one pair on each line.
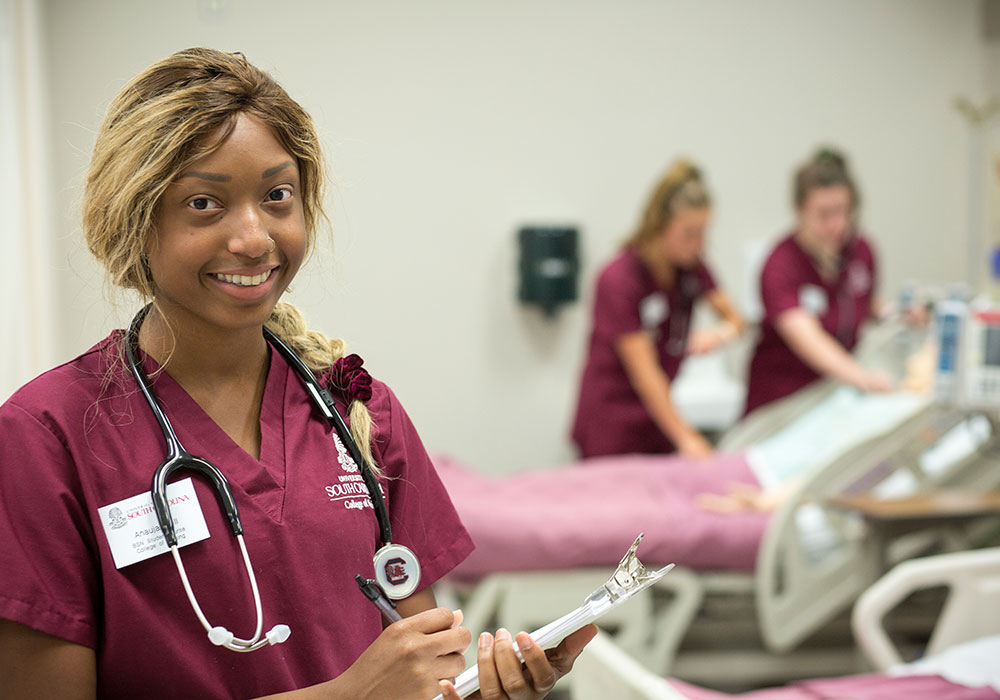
[629,578]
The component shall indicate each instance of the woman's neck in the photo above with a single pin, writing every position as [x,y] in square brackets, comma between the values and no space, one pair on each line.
[200,353]
[827,265]
[224,371]
[659,264]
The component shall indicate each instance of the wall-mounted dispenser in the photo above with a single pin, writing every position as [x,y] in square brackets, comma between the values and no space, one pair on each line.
[549,266]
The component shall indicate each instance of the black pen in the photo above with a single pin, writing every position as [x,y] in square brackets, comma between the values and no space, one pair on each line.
[375,594]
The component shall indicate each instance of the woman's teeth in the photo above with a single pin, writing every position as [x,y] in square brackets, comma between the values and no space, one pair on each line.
[244,280]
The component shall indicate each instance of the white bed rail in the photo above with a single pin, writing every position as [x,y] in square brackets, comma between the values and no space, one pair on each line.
[972,609]
[604,672]
[797,590]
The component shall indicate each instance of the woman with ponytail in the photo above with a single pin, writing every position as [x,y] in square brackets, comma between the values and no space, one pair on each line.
[203,196]
[817,288]
[643,303]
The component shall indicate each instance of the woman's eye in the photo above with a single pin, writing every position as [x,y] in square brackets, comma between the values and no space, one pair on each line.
[280,194]
[203,203]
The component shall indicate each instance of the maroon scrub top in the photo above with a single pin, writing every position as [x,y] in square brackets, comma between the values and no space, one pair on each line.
[81,437]
[789,280]
[610,418]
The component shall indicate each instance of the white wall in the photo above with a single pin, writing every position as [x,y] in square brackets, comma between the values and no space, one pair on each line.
[27,346]
[449,124]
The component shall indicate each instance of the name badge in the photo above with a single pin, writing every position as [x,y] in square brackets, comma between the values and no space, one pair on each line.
[813,299]
[653,310]
[134,533]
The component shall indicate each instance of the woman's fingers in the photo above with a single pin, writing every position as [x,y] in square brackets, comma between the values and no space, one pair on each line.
[564,655]
[502,676]
[448,691]
[508,668]
[543,676]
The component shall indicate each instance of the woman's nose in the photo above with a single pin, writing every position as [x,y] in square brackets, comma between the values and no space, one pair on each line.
[250,237]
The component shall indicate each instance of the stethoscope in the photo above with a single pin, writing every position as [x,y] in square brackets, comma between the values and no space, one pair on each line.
[677,326]
[397,569]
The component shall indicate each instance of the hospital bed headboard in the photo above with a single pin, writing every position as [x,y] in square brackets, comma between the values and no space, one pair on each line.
[971,611]
[604,671]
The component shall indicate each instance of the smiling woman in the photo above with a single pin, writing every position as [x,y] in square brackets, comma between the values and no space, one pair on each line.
[204,196]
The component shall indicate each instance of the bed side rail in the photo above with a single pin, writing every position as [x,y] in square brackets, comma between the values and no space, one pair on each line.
[604,671]
[971,611]
[815,560]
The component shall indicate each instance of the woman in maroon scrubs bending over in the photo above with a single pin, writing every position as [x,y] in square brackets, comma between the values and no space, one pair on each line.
[642,316]
[817,288]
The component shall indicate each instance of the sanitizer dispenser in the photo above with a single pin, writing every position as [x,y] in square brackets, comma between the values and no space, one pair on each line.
[549,266]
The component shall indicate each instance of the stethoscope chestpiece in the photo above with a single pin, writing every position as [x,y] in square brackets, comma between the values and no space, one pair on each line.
[397,570]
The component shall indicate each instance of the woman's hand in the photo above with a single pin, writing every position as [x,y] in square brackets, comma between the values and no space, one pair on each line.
[874,382]
[503,677]
[408,659]
[693,444]
[705,340]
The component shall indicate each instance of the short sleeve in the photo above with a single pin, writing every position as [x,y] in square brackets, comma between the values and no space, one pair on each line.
[616,302]
[49,577]
[420,511]
[779,285]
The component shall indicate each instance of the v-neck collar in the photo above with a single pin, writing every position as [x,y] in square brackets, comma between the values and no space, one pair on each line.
[263,479]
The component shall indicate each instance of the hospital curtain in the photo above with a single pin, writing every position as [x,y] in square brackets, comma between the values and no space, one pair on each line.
[26,342]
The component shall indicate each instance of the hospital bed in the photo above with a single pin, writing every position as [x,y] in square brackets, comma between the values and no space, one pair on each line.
[803,565]
[960,660]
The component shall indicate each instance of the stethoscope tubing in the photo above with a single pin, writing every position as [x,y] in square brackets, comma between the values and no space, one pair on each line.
[179,458]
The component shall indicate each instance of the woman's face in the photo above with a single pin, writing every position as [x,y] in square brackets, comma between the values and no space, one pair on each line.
[212,258]
[683,238]
[825,220]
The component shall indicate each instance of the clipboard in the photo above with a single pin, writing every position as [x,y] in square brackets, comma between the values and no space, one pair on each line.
[628,579]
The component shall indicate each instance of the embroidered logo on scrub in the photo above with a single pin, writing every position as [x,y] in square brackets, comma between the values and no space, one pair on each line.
[859,279]
[350,489]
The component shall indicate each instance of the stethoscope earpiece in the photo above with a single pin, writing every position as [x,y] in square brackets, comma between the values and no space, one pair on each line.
[278,634]
[220,636]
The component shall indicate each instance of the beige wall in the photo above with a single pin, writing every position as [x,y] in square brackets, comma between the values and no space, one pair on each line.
[449,124]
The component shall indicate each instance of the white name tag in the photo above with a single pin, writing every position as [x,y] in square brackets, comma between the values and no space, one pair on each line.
[132,529]
[813,299]
[653,310]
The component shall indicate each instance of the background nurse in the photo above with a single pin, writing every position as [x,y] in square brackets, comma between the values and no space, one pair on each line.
[817,288]
[641,327]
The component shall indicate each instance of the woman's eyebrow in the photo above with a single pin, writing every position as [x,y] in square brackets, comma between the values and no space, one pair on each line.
[278,168]
[214,177]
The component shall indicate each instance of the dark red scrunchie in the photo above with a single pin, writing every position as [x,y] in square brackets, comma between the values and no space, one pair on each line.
[349,376]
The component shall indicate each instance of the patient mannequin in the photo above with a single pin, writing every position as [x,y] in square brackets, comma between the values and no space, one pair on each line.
[919,379]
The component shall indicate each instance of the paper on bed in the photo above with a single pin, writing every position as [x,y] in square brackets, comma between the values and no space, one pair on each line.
[843,420]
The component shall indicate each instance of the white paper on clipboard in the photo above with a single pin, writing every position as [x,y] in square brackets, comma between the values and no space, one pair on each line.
[628,579]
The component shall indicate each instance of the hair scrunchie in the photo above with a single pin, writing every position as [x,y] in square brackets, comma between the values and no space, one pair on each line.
[349,376]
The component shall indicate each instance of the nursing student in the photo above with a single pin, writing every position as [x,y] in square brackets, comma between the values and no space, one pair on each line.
[204,195]
[641,332]
[818,287]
